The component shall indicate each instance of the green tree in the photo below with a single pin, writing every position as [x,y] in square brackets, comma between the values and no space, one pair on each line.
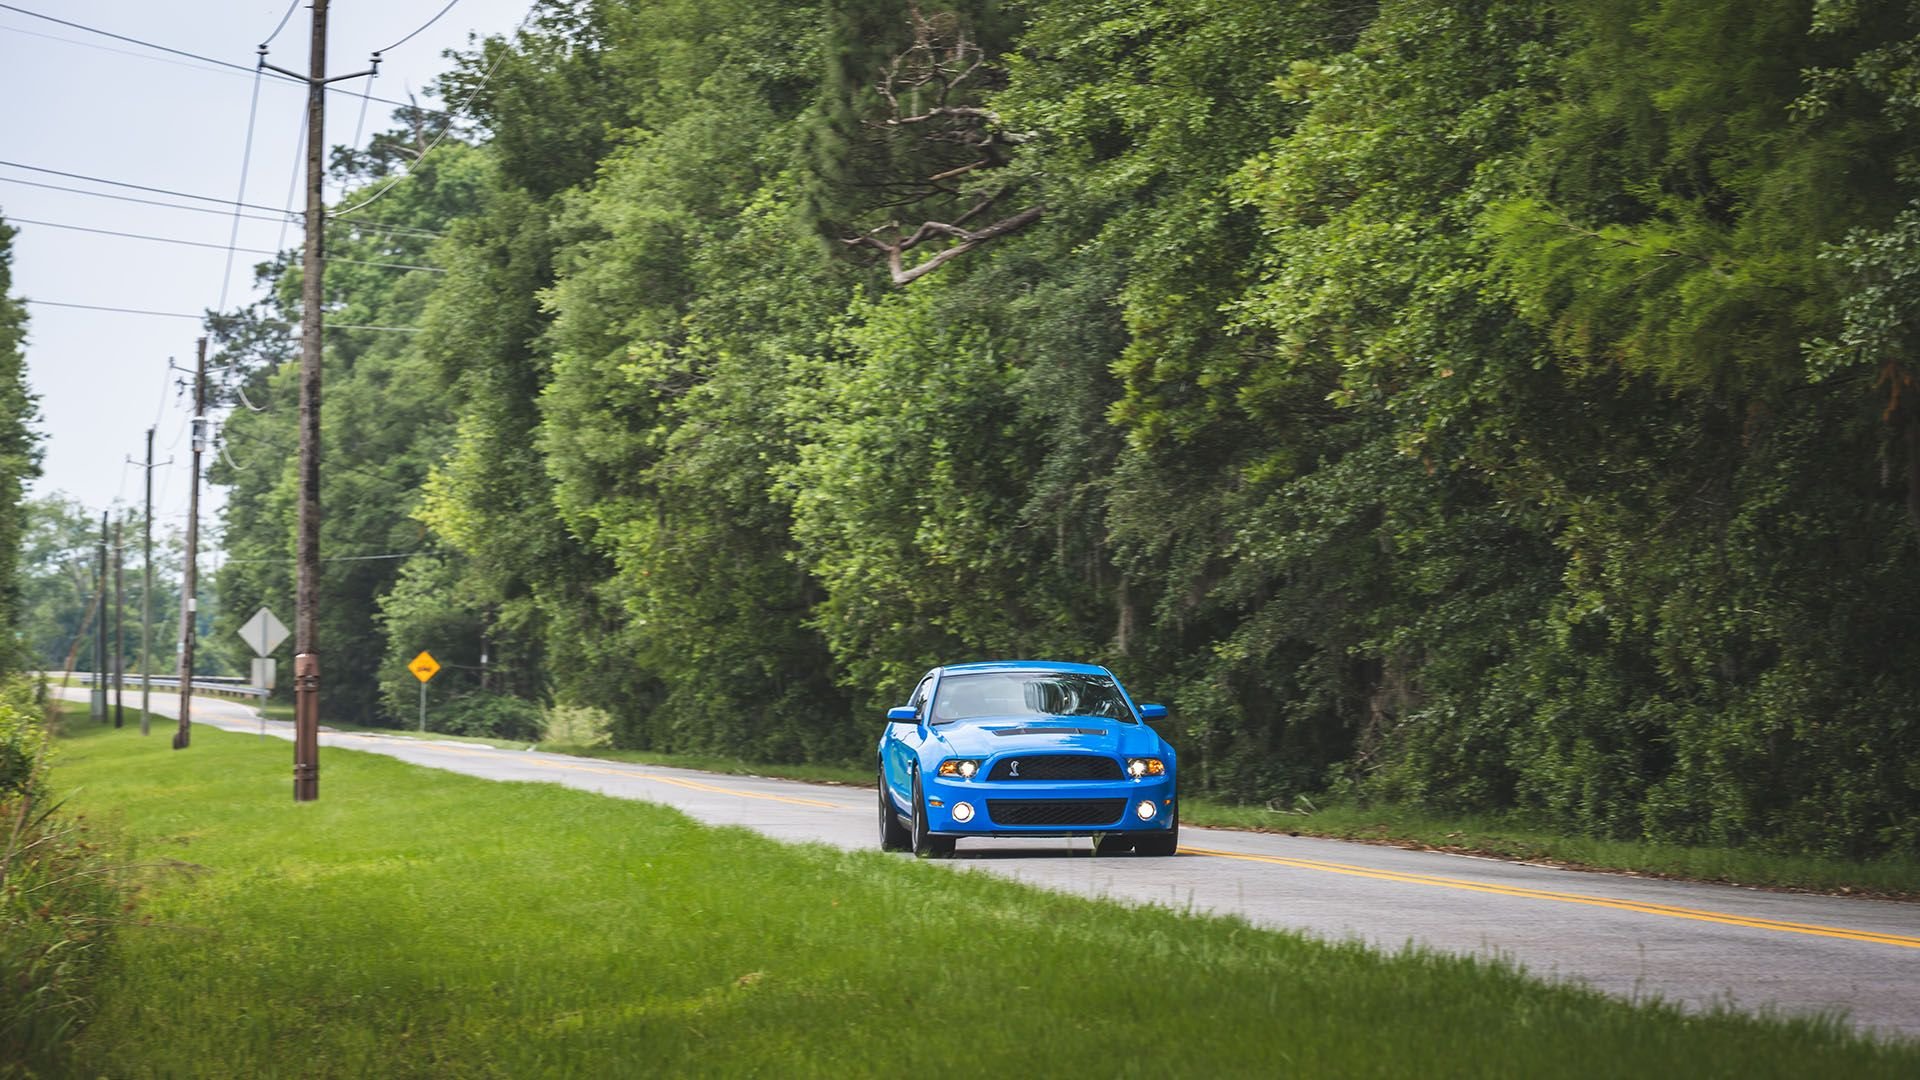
[19,453]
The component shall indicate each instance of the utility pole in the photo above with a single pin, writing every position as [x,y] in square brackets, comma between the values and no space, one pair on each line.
[119,623]
[146,590]
[189,601]
[99,696]
[306,645]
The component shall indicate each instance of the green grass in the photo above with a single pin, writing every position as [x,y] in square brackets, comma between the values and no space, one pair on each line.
[418,923]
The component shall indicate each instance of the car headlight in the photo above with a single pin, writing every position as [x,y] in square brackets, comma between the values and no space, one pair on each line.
[1146,766]
[964,768]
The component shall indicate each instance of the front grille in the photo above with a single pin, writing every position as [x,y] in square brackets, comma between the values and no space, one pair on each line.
[1055,811]
[1056,767]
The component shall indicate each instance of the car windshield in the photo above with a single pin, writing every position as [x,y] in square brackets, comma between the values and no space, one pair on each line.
[1028,693]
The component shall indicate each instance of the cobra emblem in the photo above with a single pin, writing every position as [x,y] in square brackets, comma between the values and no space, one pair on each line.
[1013,770]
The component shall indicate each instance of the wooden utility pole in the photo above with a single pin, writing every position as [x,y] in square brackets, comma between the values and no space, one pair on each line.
[146,591]
[306,592]
[99,695]
[119,623]
[189,602]
[306,643]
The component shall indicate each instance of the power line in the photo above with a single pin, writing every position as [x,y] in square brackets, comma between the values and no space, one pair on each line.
[276,216]
[280,214]
[133,186]
[474,93]
[183,52]
[416,33]
[389,329]
[282,25]
[121,310]
[215,247]
[361,123]
[293,176]
[184,315]
[346,558]
[246,159]
[110,49]
[275,446]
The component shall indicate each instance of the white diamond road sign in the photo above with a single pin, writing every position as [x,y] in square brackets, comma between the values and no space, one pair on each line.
[263,632]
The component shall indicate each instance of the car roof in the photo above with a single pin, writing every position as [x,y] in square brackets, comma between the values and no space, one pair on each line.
[1024,665]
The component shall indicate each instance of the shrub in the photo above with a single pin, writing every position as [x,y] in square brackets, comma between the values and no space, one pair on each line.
[579,725]
[23,736]
[491,716]
[58,900]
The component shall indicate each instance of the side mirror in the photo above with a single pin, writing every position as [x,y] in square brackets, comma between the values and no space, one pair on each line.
[1153,712]
[904,714]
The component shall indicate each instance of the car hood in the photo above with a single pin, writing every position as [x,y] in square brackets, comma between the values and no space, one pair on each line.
[985,737]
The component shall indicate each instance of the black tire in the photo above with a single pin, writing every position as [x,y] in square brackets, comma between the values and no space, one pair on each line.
[1112,843]
[925,844]
[893,835]
[1160,844]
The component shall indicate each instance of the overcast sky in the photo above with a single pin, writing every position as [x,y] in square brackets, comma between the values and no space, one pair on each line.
[81,103]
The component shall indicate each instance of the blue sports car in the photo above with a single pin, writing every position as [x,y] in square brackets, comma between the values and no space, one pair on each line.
[1025,748]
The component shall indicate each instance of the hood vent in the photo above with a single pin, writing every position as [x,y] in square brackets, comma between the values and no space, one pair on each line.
[1003,731]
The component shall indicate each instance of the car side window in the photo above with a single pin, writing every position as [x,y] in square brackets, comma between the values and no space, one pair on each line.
[920,695]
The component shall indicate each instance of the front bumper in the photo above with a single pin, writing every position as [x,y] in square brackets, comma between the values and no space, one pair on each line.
[1047,808]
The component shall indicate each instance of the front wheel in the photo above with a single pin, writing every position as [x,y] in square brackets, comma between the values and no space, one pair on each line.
[1165,843]
[893,835]
[925,844]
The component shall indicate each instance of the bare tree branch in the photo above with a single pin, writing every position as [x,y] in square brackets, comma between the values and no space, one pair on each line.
[896,249]
[919,86]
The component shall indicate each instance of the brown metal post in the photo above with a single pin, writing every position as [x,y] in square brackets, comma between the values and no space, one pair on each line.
[190,584]
[306,646]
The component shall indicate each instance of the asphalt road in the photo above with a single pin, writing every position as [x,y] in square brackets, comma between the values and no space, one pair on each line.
[1697,945]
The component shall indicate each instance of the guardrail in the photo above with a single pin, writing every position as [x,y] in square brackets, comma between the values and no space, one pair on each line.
[202,684]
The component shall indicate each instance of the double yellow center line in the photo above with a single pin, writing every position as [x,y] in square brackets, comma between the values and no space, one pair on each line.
[1638,906]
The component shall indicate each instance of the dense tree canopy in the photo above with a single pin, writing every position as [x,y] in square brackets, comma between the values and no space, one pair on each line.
[19,458]
[1505,404]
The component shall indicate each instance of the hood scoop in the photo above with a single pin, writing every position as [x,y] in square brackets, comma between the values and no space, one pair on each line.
[1005,731]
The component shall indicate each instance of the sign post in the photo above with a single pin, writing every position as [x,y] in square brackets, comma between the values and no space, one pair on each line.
[424,668]
[263,633]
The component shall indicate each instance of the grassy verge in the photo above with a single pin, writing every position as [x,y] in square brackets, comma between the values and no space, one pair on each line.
[417,923]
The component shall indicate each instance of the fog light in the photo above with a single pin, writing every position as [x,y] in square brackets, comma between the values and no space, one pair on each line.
[962,812]
[1144,810]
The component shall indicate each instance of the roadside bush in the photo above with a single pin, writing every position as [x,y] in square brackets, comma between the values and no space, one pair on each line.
[579,725]
[21,742]
[57,902]
[490,716]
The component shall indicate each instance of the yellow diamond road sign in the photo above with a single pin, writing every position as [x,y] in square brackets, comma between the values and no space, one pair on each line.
[424,666]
